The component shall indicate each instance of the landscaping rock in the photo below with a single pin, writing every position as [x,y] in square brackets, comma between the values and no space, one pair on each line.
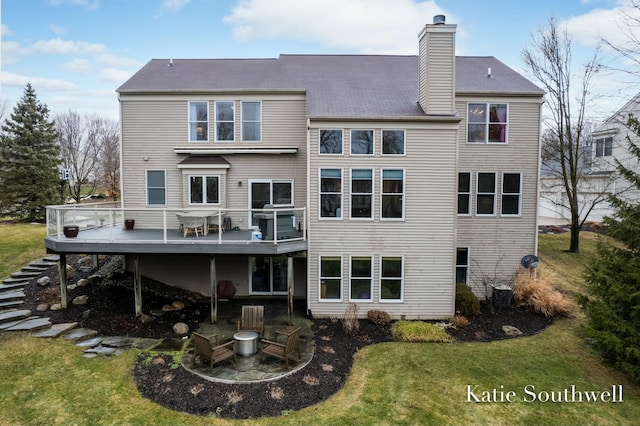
[81,300]
[146,319]
[55,307]
[72,287]
[178,305]
[94,279]
[85,269]
[83,282]
[511,331]
[42,307]
[44,281]
[169,308]
[181,329]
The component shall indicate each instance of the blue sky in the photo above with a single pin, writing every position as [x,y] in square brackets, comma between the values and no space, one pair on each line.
[76,53]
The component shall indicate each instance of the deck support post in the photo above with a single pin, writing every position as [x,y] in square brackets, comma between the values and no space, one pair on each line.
[290,289]
[94,260]
[214,289]
[137,285]
[62,269]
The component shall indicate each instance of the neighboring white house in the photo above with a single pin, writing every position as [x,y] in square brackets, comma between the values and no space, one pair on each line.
[374,179]
[609,143]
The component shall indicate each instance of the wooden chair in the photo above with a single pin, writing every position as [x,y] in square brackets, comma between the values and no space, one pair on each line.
[213,352]
[282,350]
[252,319]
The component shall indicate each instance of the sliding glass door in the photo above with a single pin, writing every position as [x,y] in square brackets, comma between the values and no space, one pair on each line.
[268,275]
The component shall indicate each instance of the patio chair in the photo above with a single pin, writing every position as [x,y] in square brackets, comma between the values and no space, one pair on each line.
[282,350]
[252,319]
[192,224]
[213,223]
[213,352]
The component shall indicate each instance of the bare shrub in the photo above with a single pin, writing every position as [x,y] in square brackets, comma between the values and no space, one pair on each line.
[539,294]
[459,321]
[379,317]
[350,323]
[277,392]
[234,397]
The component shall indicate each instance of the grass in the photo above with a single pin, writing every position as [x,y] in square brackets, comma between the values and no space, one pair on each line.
[390,383]
[20,244]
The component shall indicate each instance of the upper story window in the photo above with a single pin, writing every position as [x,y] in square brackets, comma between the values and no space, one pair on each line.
[362,142]
[204,190]
[198,121]
[156,188]
[392,197]
[604,147]
[362,193]
[251,121]
[225,121]
[511,194]
[486,194]
[331,193]
[393,142]
[464,193]
[330,141]
[486,123]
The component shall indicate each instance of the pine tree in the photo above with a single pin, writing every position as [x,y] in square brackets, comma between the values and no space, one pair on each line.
[29,174]
[613,278]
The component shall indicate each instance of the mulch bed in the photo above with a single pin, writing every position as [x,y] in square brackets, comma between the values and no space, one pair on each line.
[110,311]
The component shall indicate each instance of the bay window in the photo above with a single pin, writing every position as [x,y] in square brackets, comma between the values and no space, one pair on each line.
[204,190]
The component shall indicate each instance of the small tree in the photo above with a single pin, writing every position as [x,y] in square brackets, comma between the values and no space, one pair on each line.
[110,158]
[30,158]
[613,310]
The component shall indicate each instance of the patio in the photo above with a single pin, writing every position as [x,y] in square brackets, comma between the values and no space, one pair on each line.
[249,369]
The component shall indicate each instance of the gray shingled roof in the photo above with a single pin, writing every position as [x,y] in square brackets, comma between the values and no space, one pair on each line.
[336,85]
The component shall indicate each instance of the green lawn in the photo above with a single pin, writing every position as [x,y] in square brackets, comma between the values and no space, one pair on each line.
[20,244]
[49,382]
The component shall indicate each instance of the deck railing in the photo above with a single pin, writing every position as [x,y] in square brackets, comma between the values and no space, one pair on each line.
[106,222]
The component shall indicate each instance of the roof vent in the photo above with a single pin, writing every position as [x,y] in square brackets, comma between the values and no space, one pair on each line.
[170,62]
[439,20]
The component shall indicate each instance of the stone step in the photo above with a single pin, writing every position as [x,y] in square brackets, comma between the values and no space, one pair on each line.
[11,303]
[14,315]
[30,324]
[31,268]
[101,350]
[79,334]
[42,264]
[53,258]
[12,295]
[13,280]
[12,287]
[56,330]
[90,342]
[22,274]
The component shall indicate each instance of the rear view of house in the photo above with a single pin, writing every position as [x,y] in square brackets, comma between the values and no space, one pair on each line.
[337,179]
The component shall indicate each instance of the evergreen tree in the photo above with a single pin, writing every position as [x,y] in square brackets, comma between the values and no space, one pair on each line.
[29,174]
[613,278]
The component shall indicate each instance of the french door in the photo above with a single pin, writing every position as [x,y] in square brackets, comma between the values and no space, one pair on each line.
[268,275]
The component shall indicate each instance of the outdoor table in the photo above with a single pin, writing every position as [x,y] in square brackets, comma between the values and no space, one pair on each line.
[205,215]
[246,342]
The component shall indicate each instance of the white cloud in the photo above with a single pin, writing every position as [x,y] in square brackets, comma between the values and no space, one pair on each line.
[82,66]
[57,29]
[365,26]
[86,3]
[58,46]
[172,6]
[111,60]
[5,31]
[39,83]
[115,75]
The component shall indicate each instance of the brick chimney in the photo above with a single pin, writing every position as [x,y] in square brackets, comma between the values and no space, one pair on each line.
[437,60]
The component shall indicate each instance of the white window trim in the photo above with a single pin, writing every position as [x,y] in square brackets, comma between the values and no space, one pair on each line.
[320,217]
[242,121]
[519,194]
[146,187]
[196,121]
[486,141]
[401,279]
[495,195]
[204,176]
[371,288]
[404,192]
[341,142]
[373,142]
[470,194]
[320,277]
[215,120]
[404,137]
[351,194]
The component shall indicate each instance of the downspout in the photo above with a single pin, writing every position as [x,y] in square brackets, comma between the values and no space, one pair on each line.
[308,236]
[538,180]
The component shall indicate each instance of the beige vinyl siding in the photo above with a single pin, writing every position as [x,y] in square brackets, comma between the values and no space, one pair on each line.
[425,237]
[496,244]
[437,65]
